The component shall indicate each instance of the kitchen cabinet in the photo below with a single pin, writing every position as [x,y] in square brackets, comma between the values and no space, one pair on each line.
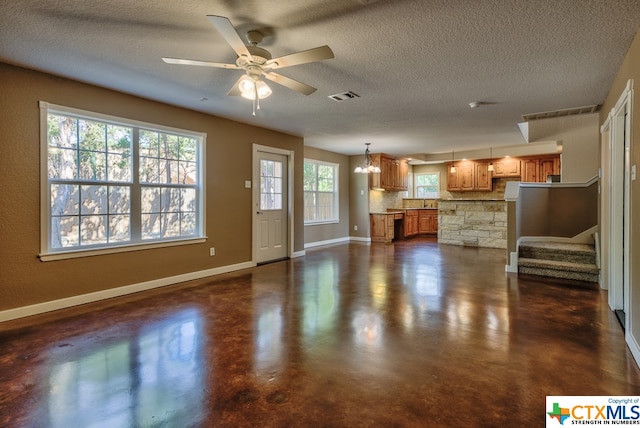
[506,167]
[428,222]
[530,170]
[385,227]
[483,177]
[394,173]
[548,166]
[469,176]
[536,169]
[411,223]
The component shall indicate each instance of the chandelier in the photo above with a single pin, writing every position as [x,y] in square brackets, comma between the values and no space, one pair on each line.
[368,165]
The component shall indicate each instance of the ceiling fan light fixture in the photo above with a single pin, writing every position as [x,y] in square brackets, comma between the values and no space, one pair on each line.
[249,88]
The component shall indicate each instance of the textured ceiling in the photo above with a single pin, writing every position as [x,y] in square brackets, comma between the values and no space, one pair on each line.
[416,65]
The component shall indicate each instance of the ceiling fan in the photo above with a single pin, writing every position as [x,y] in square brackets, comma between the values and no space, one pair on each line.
[257,63]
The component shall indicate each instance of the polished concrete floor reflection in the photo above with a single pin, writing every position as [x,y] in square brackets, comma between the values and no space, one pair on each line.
[409,334]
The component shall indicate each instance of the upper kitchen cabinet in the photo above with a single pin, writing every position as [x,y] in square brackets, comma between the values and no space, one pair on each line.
[469,176]
[537,169]
[394,173]
[482,178]
[506,167]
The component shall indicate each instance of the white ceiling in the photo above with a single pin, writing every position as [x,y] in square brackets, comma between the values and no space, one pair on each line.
[416,64]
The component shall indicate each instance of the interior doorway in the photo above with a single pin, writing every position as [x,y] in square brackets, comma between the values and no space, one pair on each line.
[616,138]
[272,232]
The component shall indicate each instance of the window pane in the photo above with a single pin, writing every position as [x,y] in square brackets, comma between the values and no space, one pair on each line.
[62,163]
[62,131]
[188,200]
[92,135]
[119,167]
[188,224]
[119,139]
[93,230]
[119,228]
[150,199]
[170,225]
[119,200]
[188,149]
[149,170]
[94,200]
[64,199]
[64,231]
[93,165]
[149,143]
[150,226]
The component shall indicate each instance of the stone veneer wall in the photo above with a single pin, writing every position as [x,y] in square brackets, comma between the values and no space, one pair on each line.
[477,223]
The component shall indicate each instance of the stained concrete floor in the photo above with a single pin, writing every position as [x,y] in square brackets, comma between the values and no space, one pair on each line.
[409,334]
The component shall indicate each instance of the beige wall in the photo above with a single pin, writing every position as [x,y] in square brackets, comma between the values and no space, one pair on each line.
[579,136]
[327,232]
[630,69]
[24,280]
[359,200]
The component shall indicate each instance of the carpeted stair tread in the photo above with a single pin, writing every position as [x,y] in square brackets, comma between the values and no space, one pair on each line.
[576,253]
[557,259]
[559,265]
[554,246]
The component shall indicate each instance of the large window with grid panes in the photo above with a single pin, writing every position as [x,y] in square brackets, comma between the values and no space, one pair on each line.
[113,183]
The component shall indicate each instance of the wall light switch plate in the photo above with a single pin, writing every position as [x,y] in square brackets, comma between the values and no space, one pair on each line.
[247,184]
[633,172]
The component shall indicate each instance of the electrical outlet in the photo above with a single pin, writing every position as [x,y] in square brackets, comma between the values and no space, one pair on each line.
[355,227]
[212,251]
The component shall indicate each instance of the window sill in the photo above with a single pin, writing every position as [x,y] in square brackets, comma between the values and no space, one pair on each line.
[49,257]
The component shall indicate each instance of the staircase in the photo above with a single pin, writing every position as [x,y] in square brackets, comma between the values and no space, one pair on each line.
[558,260]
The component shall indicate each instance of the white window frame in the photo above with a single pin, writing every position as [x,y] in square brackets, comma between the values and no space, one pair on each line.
[415,184]
[336,196]
[49,254]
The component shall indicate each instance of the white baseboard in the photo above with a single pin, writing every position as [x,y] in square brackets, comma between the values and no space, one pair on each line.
[633,347]
[327,242]
[513,262]
[68,302]
[359,239]
[298,254]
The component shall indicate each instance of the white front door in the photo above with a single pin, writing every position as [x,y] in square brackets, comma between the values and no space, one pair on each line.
[271,201]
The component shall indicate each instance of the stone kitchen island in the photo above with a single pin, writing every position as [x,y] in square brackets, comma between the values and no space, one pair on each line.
[473,222]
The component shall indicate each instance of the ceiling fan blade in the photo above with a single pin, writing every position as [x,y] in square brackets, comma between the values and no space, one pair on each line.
[303,57]
[290,83]
[180,61]
[226,30]
[235,89]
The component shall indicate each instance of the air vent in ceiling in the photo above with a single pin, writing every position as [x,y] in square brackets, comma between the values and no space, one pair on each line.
[344,96]
[559,113]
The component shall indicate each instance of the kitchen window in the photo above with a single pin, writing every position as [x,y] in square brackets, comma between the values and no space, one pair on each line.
[427,185]
[109,184]
[320,192]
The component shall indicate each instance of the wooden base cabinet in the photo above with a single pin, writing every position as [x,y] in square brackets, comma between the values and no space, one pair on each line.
[428,222]
[411,225]
[382,227]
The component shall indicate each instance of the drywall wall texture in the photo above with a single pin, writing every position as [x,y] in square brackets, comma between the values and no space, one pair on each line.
[25,280]
[630,69]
